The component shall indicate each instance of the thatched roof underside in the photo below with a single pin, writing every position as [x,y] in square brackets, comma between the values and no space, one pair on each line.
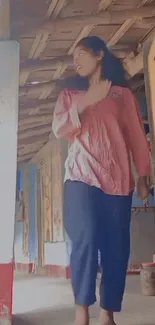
[48,31]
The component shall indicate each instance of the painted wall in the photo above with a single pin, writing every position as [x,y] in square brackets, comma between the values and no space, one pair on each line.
[56,254]
[9,87]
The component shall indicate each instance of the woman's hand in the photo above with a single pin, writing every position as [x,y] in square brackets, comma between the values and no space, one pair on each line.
[143,189]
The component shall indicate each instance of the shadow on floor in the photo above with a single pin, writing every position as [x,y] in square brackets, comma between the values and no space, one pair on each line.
[63,316]
[20,321]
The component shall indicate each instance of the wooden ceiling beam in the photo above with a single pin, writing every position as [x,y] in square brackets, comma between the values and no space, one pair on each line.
[42,36]
[144,23]
[33,119]
[125,26]
[33,103]
[34,132]
[32,144]
[36,89]
[32,65]
[107,17]
[30,148]
[4,20]
[32,139]
[36,123]
[36,112]
[37,107]
[135,65]
[26,157]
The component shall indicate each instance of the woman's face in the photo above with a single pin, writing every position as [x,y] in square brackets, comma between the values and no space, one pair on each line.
[85,62]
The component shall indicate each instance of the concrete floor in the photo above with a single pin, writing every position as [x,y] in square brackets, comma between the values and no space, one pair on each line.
[47,301]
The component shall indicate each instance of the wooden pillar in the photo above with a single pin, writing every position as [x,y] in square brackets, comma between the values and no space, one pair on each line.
[4,20]
[149,76]
[9,81]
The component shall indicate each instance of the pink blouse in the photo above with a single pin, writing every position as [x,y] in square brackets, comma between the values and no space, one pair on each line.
[102,140]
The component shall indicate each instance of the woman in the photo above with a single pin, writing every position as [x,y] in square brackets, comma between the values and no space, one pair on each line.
[99,116]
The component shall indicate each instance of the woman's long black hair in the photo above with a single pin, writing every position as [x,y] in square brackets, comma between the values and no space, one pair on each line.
[113,69]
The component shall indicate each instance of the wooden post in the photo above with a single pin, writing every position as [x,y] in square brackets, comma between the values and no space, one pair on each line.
[149,76]
[9,81]
[4,20]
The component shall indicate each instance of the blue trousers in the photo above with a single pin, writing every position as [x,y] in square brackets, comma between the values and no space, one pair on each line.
[97,221]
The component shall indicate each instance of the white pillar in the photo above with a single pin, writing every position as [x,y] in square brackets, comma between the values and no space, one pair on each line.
[9,81]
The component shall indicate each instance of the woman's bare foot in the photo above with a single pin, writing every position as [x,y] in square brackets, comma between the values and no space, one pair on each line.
[82,315]
[106,317]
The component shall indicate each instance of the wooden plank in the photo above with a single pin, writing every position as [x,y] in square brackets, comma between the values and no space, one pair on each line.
[106,17]
[42,87]
[34,119]
[135,65]
[32,65]
[34,132]
[4,19]
[30,148]
[37,142]
[41,39]
[20,160]
[30,140]
[125,27]
[25,127]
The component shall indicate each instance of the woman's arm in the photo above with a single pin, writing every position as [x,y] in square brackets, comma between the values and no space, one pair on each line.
[135,135]
[66,122]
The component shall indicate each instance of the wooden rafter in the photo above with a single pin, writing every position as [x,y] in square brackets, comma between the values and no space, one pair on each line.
[26,157]
[31,145]
[32,65]
[36,112]
[125,26]
[33,139]
[135,64]
[40,88]
[30,148]
[41,39]
[106,17]
[4,20]
[29,121]
[35,132]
